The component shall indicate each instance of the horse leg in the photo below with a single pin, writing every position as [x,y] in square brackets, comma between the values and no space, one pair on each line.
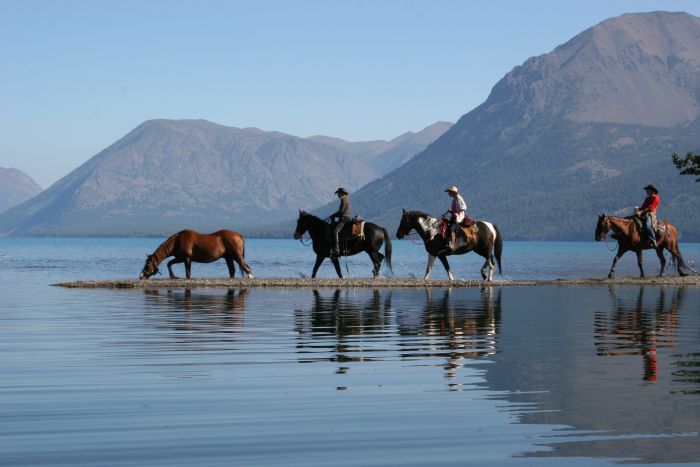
[336,264]
[429,268]
[446,264]
[672,246]
[319,260]
[188,268]
[245,267]
[170,267]
[488,266]
[619,254]
[484,268]
[231,267]
[662,260]
[377,259]
[640,263]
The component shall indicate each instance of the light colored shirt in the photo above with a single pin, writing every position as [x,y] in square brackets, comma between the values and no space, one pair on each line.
[458,208]
[458,205]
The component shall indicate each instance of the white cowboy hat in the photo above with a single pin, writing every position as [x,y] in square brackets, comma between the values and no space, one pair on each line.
[452,189]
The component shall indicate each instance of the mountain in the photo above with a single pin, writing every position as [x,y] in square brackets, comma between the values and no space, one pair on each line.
[567,135]
[166,175]
[384,156]
[15,188]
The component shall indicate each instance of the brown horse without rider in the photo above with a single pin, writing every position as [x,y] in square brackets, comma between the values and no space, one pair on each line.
[627,234]
[187,246]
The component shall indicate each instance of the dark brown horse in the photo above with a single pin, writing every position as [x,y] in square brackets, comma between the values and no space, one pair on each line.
[628,237]
[187,246]
[372,240]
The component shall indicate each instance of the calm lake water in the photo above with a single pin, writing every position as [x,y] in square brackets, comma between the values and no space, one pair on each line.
[495,376]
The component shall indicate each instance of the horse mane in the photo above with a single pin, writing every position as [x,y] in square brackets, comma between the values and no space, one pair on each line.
[165,248]
[419,213]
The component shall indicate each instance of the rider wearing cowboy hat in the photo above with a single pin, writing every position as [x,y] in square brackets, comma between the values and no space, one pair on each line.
[457,211]
[648,212]
[343,215]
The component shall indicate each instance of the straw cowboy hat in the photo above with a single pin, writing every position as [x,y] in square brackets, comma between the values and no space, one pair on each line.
[452,189]
[652,188]
[341,190]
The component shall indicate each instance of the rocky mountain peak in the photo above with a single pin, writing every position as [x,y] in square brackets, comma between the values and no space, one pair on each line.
[599,75]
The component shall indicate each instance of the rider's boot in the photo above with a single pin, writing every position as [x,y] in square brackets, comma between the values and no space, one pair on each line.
[451,245]
[335,251]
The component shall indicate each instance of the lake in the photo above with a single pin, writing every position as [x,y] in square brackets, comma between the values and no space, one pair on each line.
[494,376]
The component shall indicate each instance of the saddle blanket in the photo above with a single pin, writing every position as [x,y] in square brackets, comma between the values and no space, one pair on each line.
[358,229]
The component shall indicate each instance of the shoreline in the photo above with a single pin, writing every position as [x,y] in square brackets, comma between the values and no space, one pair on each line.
[382,283]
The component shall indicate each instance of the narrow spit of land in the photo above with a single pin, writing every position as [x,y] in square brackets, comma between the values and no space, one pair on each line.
[692,281]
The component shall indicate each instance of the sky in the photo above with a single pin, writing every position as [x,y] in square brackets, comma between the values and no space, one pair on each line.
[75,76]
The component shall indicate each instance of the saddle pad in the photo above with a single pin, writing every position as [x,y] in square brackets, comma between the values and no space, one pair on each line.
[470,233]
[358,230]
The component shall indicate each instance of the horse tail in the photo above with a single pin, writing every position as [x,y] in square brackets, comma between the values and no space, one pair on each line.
[498,248]
[387,249]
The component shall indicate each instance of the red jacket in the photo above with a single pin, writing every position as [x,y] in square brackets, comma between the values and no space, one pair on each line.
[651,203]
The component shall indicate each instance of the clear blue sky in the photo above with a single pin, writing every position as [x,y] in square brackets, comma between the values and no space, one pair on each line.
[75,76]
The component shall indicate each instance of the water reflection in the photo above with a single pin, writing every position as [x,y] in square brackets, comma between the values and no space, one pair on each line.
[345,326]
[181,310]
[324,330]
[456,328]
[639,327]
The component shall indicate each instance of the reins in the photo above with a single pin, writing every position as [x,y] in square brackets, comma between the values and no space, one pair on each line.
[301,239]
[607,245]
[412,234]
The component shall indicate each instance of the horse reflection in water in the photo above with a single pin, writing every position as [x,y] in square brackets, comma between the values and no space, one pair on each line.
[446,326]
[197,315]
[326,331]
[639,328]
[456,328]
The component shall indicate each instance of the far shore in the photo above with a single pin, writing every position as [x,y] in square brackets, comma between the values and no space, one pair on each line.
[277,282]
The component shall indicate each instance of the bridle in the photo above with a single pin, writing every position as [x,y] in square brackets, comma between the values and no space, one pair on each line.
[413,232]
[607,225]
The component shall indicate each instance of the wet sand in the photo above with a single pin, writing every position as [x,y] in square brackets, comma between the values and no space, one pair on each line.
[692,281]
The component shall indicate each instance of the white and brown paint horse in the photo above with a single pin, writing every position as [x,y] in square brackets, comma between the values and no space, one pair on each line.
[488,244]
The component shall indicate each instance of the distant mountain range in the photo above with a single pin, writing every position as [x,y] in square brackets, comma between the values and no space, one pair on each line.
[568,135]
[166,175]
[16,187]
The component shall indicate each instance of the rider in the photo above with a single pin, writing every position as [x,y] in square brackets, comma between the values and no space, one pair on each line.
[648,212]
[343,215]
[457,211]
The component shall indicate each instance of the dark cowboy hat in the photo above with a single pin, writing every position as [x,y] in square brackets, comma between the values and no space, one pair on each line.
[652,188]
[341,190]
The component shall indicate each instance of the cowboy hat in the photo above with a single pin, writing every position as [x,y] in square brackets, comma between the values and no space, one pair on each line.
[341,190]
[652,188]
[452,189]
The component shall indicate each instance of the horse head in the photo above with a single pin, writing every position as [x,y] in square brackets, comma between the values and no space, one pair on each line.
[302,224]
[405,226]
[150,268]
[602,228]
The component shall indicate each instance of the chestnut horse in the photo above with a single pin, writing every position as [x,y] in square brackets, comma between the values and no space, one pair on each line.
[627,234]
[187,246]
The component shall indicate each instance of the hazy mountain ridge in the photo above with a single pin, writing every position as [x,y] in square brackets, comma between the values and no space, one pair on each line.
[168,174]
[15,188]
[542,155]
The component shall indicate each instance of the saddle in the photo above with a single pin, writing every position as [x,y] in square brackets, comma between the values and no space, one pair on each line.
[468,230]
[471,233]
[353,229]
[659,226]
